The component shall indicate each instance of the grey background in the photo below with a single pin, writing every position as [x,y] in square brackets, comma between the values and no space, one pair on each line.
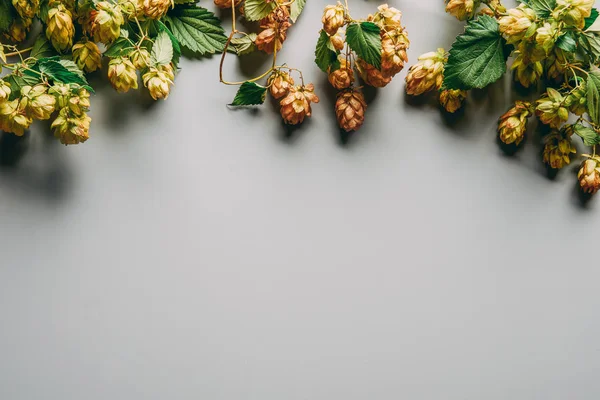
[189,251]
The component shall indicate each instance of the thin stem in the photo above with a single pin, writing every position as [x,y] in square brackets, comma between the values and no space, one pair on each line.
[18,52]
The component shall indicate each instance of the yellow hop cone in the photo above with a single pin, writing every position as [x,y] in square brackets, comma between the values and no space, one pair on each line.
[427,74]
[26,8]
[342,77]
[393,52]
[350,108]
[513,124]
[14,118]
[158,80]
[546,36]
[279,84]
[387,18]
[19,28]
[577,100]
[371,75]
[71,128]
[555,64]
[87,56]
[122,74]
[140,58]
[156,9]
[333,18]
[558,150]
[77,100]
[226,3]
[452,99]
[37,102]
[4,91]
[296,105]
[337,41]
[589,175]
[133,9]
[60,29]
[573,12]
[107,19]
[515,25]
[462,9]
[550,109]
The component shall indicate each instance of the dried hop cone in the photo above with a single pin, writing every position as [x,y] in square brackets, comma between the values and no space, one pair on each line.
[122,74]
[37,102]
[387,18]
[71,128]
[350,109]
[371,75]
[589,175]
[226,3]
[393,51]
[296,105]
[462,9]
[5,91]
[140,58]
[558,150]
[573,12]
[14,118]
[452,99]
[26,8]
[159,80]
[517,22]
[513,124]
[87,56]
[342,77]
[59,28]
[427,74]
[18,29]
[333,18]
[551,110]
[156,9]
[274,31]
[337,41]
[279,84]
[107,19]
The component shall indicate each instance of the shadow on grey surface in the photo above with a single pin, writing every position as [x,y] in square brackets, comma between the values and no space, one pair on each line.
[12,148]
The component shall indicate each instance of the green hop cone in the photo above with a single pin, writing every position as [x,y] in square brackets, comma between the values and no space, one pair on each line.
[122,74]
[71,128]
[558,149]
[158,80]
[573,12]
[577,100]
[513,124]
[38,103]
[140,58]
[14,118]
[87,56]
[106,22]
[551,109]
[59,28]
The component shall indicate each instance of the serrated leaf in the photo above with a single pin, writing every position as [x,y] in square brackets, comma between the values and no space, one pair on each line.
[542,8]
[197,29]
[477,57]
[176,46]
[364,39]
[325,57]
[296,9]
[119,48]
[42,48]
[7,14]
[244,45]
[63,71]
[250,94]
[590,137]
[589,21]
[590,44]
[162,50]
[566,42]
[16,82]
[255,10]
[593,94]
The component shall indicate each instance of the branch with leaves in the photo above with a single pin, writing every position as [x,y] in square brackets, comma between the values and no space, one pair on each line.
[275,17]
[137,38]
[555,48]
[376,48]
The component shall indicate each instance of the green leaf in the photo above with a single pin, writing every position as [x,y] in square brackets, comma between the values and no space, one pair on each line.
[250,94]
[593,94]
[364,38]
[63,71]
[120,48]
[42,48]
[255,10]
[244,45]
[325,57]
[197,29]
[174,42]
[566,42]
[16,82]
[543,8]
[162,50]
[477,57]
[296,9]
[589,21]
[43,10]
[7,14]
[590,137]
[590,45]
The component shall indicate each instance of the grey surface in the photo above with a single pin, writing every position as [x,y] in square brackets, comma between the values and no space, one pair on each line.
[188,251]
